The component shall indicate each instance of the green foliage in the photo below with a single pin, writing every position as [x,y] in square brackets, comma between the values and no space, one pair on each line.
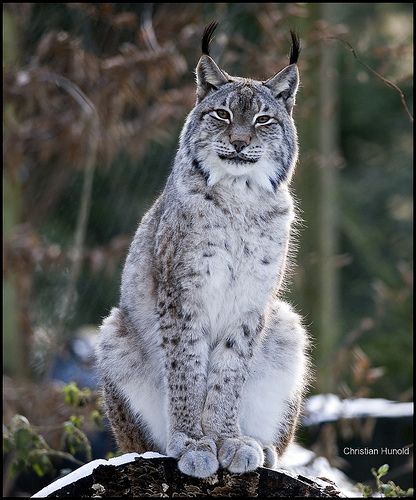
[74,396]
[389,489]
[28,449]
[74,439]
[97,417]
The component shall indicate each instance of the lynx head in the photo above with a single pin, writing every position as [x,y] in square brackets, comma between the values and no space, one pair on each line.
[242,127]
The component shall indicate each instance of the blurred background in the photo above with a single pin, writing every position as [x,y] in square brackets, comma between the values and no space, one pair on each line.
[95,96]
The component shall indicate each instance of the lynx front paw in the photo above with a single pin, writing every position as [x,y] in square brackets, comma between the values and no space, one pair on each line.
[197,457]
[242,454]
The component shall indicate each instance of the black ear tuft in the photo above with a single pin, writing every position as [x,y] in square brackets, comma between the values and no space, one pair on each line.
[207,36]
[295,48]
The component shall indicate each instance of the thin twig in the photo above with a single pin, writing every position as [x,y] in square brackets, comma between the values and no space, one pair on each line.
[76,93]
[381,77]
[148,32]
[57,454]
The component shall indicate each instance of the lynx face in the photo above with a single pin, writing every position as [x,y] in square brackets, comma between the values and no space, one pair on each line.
[244,131]
[243,128]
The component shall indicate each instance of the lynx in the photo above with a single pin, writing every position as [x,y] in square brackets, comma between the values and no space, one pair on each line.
[202,360]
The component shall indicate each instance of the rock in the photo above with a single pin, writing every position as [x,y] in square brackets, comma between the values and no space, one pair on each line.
[160,477]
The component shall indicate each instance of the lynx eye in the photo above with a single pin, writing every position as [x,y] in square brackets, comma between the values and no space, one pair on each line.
[222,114]
[263,119]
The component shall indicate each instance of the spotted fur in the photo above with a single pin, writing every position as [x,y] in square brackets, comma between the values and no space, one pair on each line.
[204,359]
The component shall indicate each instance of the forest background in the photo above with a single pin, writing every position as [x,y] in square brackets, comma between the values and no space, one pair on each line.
[94,99]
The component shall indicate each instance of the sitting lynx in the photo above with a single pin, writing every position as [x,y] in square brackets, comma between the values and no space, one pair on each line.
[201,360]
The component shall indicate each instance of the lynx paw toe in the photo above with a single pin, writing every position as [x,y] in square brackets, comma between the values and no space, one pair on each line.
[198,463]
[239,455]
[178,442]
[197,457]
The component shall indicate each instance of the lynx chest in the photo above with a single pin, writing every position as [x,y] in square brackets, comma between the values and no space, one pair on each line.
[240,258]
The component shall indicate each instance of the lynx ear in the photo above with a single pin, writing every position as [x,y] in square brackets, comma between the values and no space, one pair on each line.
[208,76]
[284,85]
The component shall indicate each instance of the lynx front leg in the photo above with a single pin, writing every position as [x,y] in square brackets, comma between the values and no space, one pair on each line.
[186,353]
[229,368]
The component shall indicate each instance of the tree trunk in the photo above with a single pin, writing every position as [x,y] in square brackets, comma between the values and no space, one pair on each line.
[160,477]
[328,166]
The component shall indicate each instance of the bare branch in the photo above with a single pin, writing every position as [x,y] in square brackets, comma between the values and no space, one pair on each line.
[148,32]
[57,454]
[381,77]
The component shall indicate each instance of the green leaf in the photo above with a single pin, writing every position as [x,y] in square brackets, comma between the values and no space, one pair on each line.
[387,489]
[97,418]
[68,427]
[8,443]
[76,420]
[23,439]
[41,463]
[72,394]
[76,440]
[38,469]
[383,470]
[365,490]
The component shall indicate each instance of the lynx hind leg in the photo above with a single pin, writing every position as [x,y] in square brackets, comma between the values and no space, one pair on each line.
[270,457]
[287,429]
[284,435]
[128,430]
[272,395]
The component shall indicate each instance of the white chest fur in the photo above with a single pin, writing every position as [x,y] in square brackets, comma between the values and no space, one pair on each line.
[241,257]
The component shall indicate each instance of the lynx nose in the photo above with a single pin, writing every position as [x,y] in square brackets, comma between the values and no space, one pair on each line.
[239,145]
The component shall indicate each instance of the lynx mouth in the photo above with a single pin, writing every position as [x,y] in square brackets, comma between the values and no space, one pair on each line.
[236,158]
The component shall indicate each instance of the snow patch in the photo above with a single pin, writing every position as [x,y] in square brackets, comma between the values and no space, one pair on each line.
[130,457]
[329,408]
[87,469]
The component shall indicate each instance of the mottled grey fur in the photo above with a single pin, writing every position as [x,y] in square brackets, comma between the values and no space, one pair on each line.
[205,361]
